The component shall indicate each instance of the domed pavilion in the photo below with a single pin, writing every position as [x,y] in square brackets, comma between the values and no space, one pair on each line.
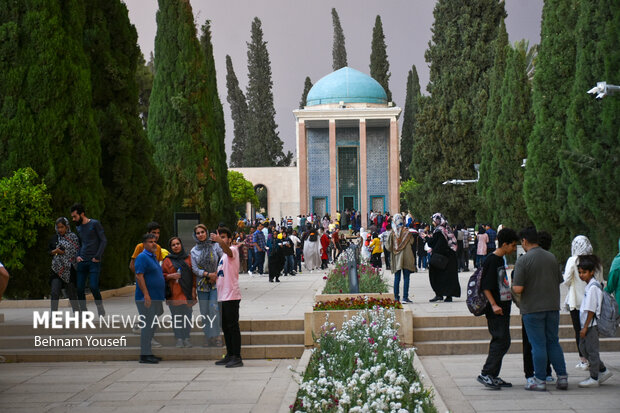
[347,147]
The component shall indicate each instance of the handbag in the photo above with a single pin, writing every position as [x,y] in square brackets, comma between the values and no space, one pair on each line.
[439,261]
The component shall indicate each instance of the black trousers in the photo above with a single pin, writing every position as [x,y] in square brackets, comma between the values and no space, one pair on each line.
[528,361]
[230,326]
[574,317]
[499,327]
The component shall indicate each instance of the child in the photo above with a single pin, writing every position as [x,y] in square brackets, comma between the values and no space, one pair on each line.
[588,312]
[376,251]
[229,295]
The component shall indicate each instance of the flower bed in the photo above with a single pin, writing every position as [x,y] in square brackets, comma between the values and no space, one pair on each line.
[356,303]
[370,279]
[362,367]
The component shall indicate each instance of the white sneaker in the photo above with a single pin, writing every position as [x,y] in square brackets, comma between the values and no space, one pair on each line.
[589,382]
[602,377]
[583,366]
[155,343]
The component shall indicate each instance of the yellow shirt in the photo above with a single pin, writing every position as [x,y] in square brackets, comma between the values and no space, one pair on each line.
[140,247]
[376,244]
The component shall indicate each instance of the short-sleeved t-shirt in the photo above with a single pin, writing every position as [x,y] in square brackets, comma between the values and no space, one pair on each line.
[228,277]
[140,247]
[495,279]
[539,275]
[147,264]
[592,301]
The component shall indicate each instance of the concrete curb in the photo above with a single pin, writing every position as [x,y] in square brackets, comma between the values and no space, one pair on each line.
[42,303]
[428,383]
[293,387]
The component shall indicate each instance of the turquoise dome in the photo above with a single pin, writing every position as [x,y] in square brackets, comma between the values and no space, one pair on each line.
[346,85]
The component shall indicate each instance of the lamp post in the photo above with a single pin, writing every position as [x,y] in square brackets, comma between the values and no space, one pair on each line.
[465,181]
[602,89]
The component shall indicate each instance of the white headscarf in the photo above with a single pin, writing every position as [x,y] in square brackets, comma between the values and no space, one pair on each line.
[581,246]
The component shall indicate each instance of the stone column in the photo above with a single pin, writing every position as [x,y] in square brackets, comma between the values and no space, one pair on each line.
[363,205]
[303,168]
[333,167]
[394,177]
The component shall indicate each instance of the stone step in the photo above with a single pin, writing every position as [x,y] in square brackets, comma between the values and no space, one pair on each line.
[459,347]
[469,321]
[473,333]
[283,351]
[166,338]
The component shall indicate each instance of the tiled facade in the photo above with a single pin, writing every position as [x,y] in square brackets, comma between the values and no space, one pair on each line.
[377,149]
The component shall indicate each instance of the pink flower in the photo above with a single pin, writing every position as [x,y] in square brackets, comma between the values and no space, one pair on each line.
[325,277]
[394,338]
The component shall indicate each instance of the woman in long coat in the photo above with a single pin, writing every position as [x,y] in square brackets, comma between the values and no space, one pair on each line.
[402,261]
[444,281]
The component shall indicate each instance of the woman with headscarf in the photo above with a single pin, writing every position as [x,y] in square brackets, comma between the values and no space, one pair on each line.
[576,287]
[205,256]
[613,280]
[312,249]
[443,268]
[64,247]
[399,244]
[180,291]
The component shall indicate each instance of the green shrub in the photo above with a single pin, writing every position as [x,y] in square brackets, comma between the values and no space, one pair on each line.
[370,279]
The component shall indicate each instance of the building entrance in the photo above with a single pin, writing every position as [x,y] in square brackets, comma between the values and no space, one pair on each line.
[348,186]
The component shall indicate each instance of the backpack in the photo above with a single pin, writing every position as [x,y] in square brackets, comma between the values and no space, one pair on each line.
[608,322]
[476,300]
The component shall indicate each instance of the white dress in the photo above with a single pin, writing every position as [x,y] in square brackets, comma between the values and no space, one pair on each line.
[312,254]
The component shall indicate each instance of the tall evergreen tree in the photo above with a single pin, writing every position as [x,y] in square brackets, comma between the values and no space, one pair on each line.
[129,175]
[46,120]
[590,155]
[512,130]
[264,146]
[409,123]
[486,203]
[239,113]
[339,52]
[545,194]
[456,109]
[144,78]
[181,124]
[220,200]
[379,64]
[304,94]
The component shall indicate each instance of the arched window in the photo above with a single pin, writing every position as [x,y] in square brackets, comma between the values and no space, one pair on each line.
[263,201]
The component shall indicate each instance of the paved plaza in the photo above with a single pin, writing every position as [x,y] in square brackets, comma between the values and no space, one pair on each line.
[268,385]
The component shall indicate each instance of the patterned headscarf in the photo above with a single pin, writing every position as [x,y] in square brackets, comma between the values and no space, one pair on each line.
[61,264]
[581,246]
[441,225]
[401,234]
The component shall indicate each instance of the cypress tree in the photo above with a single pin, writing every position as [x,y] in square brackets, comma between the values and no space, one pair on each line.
[181,125]
[379,65]
[460,55]
[239,113]
[512,130]
[264,147]
[339,52]
[590,155]
[46,120]
[545,194]
[144,78]
[409,123]
[304,94]
[220,201]
[129,175]
[486,201]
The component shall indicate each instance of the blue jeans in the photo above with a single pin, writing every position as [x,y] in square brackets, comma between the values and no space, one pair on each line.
[298,252]
[542,331]
[180,325]
[259,257]
[90,270]
[210,309]
[251,259]
[148,331]
[405,284]
[422,261]
[289,264]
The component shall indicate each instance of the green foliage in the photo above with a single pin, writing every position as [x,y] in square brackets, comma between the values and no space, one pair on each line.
[512,130]
[339,51]
[409,123]
[379,64]
[489,143]
[241,190]
[590,153]
[304,94]
[370,279]
[24,208]
[130,177]
[239,113]
[409,192]
[264,146]
[185,119]
[544,192]
[144,79]
[447,143]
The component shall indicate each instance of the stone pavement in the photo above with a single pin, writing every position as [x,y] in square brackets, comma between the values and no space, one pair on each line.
[267,385]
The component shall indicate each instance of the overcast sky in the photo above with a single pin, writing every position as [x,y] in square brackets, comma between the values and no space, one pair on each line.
[299,39]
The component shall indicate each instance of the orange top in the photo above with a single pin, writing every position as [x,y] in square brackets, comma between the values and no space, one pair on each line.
[178,297]
[140,247]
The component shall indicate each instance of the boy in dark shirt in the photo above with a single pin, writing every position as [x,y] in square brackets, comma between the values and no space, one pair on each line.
[496,288]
